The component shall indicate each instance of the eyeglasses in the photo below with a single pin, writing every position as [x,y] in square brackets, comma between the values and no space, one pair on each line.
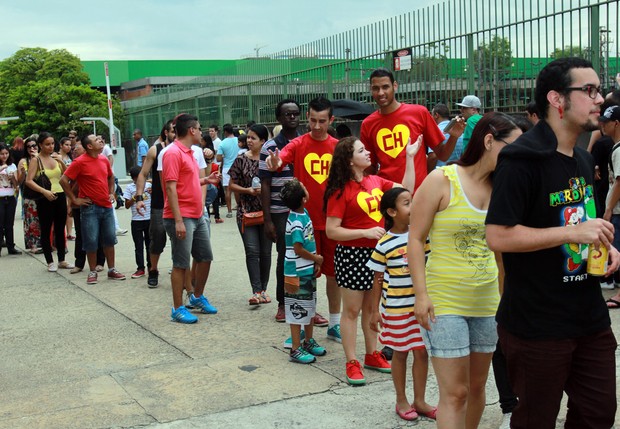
[593,91]
[291,114]
[502,140]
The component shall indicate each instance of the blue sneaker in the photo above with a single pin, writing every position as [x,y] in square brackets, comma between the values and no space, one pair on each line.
[301,356]
[333,333]
[288,343]
[312,347]
[182,315]
[202,303]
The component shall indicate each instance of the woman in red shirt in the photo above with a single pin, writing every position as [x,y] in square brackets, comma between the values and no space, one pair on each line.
[354,220]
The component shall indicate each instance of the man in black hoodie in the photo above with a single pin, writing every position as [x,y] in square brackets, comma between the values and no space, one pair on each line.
[553,325]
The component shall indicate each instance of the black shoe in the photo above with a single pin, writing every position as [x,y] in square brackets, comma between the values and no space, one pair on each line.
[153,276]
[14,251]
[387,352]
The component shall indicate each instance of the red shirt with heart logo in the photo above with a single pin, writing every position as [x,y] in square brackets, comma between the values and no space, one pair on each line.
[385,137]
[311,160]
[358,207]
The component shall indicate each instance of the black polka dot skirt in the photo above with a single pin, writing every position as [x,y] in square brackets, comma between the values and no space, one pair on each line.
[351,270]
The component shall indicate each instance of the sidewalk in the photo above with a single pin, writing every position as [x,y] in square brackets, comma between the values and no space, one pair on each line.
[107,355]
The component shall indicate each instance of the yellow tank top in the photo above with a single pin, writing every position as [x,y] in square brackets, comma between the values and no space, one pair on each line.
[54,176]
[461,272]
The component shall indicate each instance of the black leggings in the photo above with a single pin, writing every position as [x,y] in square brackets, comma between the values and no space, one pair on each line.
[53,213]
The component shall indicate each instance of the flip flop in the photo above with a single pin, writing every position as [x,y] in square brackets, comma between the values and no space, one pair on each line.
[432,414]
[613,302]
[408,415]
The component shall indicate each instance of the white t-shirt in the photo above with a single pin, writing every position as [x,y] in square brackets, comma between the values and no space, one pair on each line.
[6,189]
[613,174]
[130,191]
[198,155]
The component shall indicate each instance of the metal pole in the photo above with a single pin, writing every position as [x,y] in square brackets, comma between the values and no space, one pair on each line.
[111,115]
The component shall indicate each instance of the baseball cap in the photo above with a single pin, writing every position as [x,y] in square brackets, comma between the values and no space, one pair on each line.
[470,101]
[612,113]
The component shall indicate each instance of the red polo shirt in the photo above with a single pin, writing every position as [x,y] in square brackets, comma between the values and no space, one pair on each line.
[179,165]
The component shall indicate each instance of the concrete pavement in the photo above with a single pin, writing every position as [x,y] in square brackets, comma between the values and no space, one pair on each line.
[107,355]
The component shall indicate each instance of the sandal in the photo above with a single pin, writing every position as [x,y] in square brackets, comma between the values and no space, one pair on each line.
[264,298]
[432,414]
[408,415]
[614,303]
[254,300]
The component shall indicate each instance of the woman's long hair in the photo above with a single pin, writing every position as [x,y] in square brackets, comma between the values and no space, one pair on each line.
[340,171]
[498,124]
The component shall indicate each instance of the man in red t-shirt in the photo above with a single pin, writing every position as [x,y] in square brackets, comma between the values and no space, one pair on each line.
[385,132]
[93,174]
[311,156]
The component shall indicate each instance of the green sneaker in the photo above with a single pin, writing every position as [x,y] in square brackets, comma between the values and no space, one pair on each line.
[288,343]
[333,333]
[312,347]
[301,356]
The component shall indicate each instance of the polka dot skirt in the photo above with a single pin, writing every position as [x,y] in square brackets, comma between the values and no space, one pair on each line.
[351,270]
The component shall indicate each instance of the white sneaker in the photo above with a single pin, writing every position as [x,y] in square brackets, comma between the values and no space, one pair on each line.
[121,231]
[66,265]
[607,285]
[505,421]
[52,267]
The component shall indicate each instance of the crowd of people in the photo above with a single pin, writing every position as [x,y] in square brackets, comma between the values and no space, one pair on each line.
[462,240]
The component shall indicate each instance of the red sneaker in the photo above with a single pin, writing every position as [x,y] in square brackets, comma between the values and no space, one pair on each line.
[138,274]
[114,274]
[378,362]
[320,320]
[355,375]
[280,315]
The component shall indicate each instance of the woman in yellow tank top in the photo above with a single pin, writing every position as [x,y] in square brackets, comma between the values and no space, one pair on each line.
[53,206]
[457,291]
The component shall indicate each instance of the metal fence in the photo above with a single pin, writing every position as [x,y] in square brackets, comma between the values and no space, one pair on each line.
[491,48]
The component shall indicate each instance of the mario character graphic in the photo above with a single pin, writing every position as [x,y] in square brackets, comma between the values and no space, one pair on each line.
[576,252]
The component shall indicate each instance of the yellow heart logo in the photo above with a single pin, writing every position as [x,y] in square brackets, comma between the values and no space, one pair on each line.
[393,141]
[318,166]
[370,203]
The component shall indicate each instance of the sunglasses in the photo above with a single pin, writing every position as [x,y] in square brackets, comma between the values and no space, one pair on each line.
[30,146]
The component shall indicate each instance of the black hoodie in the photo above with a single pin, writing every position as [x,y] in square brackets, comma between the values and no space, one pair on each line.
[547,293]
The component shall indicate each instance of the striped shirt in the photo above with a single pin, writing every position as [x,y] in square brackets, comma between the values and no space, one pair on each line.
[278,178]
[390,258]
[299,230]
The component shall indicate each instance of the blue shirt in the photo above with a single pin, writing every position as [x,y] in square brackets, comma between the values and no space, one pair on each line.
[458,147]
[229,148]
[143,148]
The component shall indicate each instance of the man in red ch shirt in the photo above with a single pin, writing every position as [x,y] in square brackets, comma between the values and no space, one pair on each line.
[311,156]
[385,132]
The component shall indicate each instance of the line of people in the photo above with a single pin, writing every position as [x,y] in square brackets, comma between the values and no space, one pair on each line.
[481,260]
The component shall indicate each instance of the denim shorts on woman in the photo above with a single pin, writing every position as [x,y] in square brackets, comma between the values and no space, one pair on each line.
[97,227]
[457,336]
[197,242]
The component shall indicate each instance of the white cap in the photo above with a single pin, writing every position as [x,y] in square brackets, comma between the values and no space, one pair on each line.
[470,101]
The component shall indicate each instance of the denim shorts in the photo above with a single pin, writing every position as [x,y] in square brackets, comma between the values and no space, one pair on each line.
[458,336]
[196,244]
[97,227]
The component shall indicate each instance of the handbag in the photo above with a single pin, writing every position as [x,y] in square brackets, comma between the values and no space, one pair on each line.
[41,179]
[251,219]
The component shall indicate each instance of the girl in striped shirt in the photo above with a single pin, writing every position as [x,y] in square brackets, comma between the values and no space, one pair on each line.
[393,288]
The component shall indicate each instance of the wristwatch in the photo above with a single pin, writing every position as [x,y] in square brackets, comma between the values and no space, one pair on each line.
[138,198]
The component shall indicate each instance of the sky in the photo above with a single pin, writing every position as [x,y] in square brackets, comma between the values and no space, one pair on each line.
[184,29]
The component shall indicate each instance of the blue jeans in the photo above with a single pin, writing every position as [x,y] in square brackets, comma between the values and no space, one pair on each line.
[453,336]
[97,226]
[257,256]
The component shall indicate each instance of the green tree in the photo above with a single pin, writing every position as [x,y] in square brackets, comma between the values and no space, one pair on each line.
[493,60]
[571,51]
[49,91]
